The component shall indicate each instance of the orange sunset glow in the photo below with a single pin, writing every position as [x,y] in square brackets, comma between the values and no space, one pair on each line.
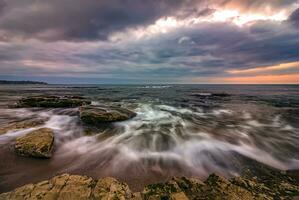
[262,79]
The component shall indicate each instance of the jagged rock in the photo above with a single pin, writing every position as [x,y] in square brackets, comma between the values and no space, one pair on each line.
[38,143]
[252,186]
[71,187]
[110,188]
[220,188]
[52,102]
[77,187]
[179,196]
[259,178]
[293,174]
[161,190]
[82,187]
[215,187]
[21,125]
[66,187]
[190,186]
[99,114]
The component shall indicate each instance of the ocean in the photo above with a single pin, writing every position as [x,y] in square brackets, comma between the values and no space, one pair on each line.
[179,130]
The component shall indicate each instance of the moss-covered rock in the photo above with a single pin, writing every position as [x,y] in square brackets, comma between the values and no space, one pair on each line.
[52,102]
[220,188]
[259,178]
[21,125]
[98,114]
[161,190]
[38,143]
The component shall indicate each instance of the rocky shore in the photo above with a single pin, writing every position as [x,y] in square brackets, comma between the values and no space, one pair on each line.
[39,143]
[257,181]
[67,186]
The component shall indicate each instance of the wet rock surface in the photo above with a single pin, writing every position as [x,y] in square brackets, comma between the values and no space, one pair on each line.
[38,143]
[100,114]
[260,178]
[215,187]
[52,102]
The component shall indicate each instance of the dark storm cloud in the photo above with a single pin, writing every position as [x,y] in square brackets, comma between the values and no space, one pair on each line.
[91,20]
[294,18]
[2,6]
[212,49]
[207,50]
[77,19]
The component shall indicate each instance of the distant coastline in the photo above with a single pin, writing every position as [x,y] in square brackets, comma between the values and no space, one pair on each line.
[23,82]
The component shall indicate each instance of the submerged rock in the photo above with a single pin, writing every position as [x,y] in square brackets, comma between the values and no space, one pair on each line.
[52,102]
[38,143]
[82,187]
[99,114]
[21,125]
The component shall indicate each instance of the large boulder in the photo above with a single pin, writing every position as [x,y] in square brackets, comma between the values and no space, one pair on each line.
[52,102]
[99,114]
[38,143]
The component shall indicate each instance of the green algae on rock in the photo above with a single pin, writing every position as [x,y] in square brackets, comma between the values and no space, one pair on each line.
[38,143]
[52,102]
[101,114]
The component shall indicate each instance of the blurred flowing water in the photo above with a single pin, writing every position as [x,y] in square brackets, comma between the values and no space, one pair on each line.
[179,130]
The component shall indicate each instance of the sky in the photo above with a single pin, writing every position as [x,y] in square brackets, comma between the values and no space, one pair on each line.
[150,41]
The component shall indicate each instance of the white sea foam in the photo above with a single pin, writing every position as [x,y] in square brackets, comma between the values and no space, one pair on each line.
[159,137]
[222,112]
[155,86]
[168,139]
[63,124]
[10,135]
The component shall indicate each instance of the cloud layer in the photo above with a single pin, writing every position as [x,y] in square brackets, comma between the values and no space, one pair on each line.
[148,41]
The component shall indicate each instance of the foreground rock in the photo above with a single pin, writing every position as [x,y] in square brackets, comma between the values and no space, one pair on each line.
[214,188]
[72,187]
[13,126]
[38,143]
[99,114]
[52,102]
